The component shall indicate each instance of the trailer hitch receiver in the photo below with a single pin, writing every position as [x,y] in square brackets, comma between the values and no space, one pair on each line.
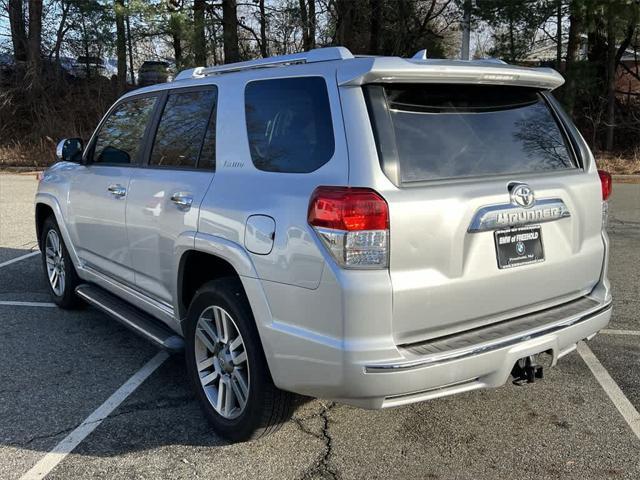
[526,370]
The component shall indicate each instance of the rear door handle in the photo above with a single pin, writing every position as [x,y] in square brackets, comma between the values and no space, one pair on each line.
[117,190]
[182,200]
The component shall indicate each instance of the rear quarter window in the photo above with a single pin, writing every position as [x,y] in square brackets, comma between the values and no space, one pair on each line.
[451,131]
[289,125]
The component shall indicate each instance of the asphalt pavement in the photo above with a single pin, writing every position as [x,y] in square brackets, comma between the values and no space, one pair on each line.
[57,367]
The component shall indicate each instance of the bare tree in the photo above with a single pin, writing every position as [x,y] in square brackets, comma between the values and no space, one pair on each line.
[199,39]
[230,31]
[34,42]
[121,46]
[18,31]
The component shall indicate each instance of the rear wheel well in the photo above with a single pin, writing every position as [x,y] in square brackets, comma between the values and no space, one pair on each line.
[197,268]
[42,213]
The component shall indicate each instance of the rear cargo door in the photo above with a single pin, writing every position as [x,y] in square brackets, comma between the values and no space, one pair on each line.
[493,216]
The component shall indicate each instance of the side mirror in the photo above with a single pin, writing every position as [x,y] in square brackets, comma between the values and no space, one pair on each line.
[69,150]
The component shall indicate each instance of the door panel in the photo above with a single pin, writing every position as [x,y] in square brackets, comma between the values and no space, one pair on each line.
[97,219]
[155,220]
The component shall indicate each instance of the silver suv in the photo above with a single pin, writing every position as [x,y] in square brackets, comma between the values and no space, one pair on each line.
[373,230]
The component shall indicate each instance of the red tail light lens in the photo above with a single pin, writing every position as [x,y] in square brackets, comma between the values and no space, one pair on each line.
[353,225]
[348,209]
[607,184]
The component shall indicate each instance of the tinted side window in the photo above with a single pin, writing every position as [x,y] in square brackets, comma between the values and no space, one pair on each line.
[289,124]
[120,137]
[182,129]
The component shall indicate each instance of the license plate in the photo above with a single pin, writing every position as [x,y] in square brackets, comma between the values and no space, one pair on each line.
[519,246]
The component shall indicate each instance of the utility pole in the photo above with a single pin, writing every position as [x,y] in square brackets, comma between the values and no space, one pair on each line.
[466,30]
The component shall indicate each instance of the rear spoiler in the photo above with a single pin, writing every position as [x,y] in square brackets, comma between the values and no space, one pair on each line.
[359,71]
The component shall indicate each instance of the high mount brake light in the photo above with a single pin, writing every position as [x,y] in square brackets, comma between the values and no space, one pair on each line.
[353,224]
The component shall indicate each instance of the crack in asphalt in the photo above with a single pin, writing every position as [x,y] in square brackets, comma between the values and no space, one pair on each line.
[322,468]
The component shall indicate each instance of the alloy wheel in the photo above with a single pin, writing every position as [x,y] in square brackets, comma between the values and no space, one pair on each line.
[55,262]
[221,361]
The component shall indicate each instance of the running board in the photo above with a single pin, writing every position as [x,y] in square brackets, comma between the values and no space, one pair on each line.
[131,317]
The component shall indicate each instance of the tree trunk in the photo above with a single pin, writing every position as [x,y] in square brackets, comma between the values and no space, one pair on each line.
[34,62]
[611,78]
[18,31]
[305,24]
[573,45]
[62,30]
[264,42]
[559,36]
[130,49]
[199,39]
[312,24]
[121,46]
[175,29]
[344,23]
[230,31]
[375,26]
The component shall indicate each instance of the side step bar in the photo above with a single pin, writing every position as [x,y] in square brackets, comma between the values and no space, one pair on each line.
[131,317]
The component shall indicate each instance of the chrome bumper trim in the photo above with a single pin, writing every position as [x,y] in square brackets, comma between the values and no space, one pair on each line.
[486,347]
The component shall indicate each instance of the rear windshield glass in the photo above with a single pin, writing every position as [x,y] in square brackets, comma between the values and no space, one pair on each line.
[449,131]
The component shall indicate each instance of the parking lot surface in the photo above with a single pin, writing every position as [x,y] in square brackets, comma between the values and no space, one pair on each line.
[57,367]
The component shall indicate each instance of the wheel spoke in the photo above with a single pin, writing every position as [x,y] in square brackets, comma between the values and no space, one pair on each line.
[240,358]
[240,387]
[50,254]
[228,401]
[206,363]
[209,378]
[204,339]
[221,325]
[53,277]
[235,343]
[206,326]
[222,386]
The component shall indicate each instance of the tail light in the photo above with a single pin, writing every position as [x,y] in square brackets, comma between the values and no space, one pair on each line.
[607,187]
[353,224]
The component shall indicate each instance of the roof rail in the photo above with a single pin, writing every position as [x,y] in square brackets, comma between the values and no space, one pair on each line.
[312,56]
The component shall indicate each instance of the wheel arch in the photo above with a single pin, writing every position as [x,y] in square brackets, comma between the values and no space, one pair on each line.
[46,205]
[226,258]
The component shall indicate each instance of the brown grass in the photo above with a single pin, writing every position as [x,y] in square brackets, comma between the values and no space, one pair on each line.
[619,163]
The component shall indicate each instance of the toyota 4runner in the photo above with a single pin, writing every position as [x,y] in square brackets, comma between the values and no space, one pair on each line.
[373,230]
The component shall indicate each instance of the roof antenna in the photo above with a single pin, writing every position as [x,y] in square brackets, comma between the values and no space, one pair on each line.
[421,55]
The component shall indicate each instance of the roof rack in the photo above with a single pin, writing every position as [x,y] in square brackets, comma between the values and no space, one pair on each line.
[312,56]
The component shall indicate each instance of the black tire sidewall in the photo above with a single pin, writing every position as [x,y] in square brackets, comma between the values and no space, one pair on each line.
[68,298]
[228,294]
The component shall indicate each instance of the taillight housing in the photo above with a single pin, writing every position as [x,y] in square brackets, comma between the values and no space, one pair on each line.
[353,224]
[607,187]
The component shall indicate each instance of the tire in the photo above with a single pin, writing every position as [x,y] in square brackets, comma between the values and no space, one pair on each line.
[229,364]
[63,282]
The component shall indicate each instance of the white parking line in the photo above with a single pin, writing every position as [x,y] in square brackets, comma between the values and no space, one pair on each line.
[620,332]
[71,441]
[17,259]
[12,303]
[611,388]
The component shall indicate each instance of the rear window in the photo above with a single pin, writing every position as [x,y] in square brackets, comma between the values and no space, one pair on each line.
[431,132]
[289,124]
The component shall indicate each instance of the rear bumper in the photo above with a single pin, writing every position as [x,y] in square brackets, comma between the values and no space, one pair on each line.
[363,366]
[483,365]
